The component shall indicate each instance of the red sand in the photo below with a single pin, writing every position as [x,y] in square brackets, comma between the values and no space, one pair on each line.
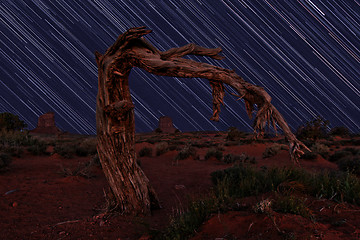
[37,202]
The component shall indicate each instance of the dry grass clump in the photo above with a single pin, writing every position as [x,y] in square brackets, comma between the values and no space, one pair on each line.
[273,150]
[187,151]
[161,148]
[145,152]
[242,158]
[79,147]
[214,152]
[81,169]
[321,149]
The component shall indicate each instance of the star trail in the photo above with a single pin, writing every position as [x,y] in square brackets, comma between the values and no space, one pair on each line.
[305,53]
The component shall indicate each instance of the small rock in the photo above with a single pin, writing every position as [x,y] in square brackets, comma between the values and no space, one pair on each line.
[177,187]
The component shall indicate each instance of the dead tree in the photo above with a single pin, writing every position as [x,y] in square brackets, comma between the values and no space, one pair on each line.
[115,109]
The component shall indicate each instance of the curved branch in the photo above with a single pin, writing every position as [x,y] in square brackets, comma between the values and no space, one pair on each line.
[173,65]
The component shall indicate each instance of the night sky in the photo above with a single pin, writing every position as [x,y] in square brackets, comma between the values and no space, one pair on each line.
[306,54]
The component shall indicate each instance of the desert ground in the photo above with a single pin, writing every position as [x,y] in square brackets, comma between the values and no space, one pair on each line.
[58,191]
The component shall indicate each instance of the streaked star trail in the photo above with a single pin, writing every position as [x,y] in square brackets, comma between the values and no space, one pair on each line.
[305,53]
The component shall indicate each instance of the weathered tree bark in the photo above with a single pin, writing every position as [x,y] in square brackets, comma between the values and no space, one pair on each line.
[115,114]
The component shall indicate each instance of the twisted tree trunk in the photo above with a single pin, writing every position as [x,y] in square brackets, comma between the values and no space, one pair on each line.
[115,114]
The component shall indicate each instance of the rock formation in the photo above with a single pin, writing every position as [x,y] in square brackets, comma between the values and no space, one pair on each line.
[166,125]
[46,124]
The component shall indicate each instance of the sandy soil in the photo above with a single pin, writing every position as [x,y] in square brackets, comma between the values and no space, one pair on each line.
[38,202]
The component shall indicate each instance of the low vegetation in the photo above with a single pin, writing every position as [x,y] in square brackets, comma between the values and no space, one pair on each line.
[145,152]
[242,181]
[161,148]
[82,147]
[347,159]
[81,169]
[214,152]
[187,151]
[273,150]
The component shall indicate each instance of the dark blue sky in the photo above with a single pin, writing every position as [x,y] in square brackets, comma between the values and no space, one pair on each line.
[304,53]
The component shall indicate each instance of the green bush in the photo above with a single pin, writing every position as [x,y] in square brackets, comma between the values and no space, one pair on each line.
[213,152]
[161,148]
[145,151]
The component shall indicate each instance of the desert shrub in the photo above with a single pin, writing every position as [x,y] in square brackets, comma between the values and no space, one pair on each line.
[14,151]
[339,155]
[291,204]
[340,131]
[38,148]
[315,129]
[158,130]
[161,148]
[234,134]
[349,163]
[309,155]
[242,158]
[242,181]
[9,121]
[186,152]
[81,147]
[272,150]
[184,225]
[321,149]
[15,138]
[86,147]
[213,152]
[81,169]
[354,151]
[5,160]
[231,158]
[145,151]
[66,150]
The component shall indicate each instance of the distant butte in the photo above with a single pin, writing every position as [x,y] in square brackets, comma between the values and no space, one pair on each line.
[46,124]
[166,125]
